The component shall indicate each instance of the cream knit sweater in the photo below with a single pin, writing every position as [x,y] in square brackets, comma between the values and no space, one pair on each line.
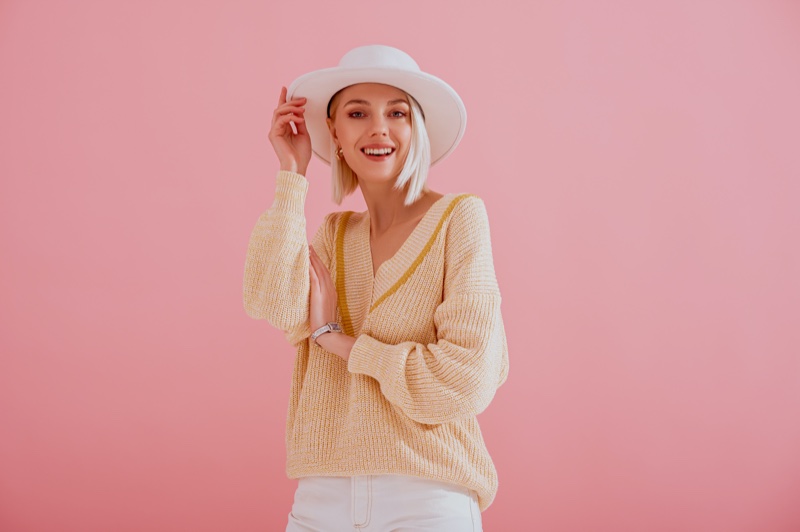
[430,346]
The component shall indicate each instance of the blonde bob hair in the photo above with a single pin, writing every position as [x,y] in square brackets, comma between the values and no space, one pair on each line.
[415,168]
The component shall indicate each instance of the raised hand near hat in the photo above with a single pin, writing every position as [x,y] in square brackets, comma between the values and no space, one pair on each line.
[293,149]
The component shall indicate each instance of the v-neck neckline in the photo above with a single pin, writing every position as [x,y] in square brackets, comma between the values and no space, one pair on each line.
[412,236]
[368,289]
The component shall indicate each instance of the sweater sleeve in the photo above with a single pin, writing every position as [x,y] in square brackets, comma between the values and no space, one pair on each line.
[457,376]
[276,274]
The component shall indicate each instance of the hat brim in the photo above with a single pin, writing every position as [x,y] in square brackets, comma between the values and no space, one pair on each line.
[445,114]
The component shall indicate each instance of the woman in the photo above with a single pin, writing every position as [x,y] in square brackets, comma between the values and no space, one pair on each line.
[395,311]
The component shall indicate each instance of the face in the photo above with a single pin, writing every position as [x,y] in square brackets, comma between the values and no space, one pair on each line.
[369,120]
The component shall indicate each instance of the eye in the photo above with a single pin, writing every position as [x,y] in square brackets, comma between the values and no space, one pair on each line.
[398,114]
[356,114]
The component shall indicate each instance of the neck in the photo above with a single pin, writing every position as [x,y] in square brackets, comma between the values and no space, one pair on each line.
[386,204]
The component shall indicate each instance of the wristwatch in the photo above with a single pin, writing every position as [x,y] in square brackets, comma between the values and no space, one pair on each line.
[331,326]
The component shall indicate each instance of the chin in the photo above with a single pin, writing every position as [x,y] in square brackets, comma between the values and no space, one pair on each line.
[377,177]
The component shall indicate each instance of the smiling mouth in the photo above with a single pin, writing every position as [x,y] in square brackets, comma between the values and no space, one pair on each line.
[378,153]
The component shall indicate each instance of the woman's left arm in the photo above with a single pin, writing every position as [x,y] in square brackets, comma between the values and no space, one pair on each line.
[457,376]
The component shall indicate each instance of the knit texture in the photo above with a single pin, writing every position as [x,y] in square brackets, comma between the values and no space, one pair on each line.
[430,348]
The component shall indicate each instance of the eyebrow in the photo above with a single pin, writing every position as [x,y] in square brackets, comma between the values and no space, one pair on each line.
[365,102]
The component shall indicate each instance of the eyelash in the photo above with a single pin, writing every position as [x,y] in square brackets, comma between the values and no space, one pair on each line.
[402,114]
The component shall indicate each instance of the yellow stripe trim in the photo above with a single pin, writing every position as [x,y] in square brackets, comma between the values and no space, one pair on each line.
[347,324]
[414,265]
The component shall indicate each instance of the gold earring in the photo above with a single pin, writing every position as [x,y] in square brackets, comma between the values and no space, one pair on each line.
[339,153]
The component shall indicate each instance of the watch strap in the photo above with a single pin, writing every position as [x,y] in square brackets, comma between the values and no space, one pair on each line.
[331,326]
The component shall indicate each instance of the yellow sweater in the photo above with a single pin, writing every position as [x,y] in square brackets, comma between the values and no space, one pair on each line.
[430,346]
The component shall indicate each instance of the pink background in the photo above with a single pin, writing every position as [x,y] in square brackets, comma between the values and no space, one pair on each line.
[639,162]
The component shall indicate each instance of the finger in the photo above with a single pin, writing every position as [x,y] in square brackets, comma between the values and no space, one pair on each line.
[301,127]
[315,262]
[284,121]
[292,112]
[288,108]
[282,97]
[318,261]
[323,274]
[313,256]
[280,128]
[314,279]
[326,279]
[292,117]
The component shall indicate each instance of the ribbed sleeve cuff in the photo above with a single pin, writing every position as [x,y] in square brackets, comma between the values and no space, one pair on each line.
[367,356]
[290,191]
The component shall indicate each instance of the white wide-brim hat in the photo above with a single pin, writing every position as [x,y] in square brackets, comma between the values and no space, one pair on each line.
[445,114]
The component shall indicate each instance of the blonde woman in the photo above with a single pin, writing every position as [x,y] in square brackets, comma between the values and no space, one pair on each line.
[394,311]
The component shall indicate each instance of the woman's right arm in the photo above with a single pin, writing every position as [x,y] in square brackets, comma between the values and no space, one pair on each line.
[276,277]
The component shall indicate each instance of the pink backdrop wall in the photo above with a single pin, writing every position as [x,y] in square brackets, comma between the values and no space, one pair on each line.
[639,161]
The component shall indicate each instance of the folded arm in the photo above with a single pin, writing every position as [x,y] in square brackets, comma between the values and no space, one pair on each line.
[457,376]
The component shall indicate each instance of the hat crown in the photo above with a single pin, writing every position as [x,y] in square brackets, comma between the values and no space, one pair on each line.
[378,56]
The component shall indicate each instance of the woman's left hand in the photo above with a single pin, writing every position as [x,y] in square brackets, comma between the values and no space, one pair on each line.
[323,293]
[323,307]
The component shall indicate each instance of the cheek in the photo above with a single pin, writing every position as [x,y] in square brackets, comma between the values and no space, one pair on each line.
[403,134]
[345,132]
[348,140]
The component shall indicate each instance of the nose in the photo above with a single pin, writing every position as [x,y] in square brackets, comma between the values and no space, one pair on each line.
[378,125]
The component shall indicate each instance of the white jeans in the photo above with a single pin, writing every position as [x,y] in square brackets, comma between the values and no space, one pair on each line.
[382,503]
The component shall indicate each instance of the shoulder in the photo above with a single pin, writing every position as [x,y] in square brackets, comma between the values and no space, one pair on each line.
[468,209]
[469,264]
[467,225]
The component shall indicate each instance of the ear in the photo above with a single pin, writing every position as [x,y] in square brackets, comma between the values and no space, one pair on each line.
[331,128]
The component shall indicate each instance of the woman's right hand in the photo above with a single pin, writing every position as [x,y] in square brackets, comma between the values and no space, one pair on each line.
[293,151]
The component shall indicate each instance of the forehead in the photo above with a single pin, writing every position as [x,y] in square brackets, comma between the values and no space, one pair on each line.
[371,92]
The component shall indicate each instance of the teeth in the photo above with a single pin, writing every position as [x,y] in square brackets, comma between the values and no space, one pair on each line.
[378,151]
